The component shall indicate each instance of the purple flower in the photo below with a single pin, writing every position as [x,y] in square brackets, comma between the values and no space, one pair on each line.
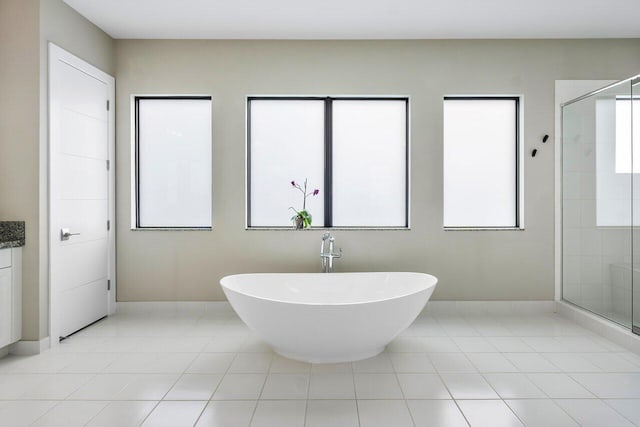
[315,192]
[293,183]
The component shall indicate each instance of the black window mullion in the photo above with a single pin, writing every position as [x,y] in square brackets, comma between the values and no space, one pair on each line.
[328,162]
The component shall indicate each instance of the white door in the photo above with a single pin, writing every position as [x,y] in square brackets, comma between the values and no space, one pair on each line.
[80,193]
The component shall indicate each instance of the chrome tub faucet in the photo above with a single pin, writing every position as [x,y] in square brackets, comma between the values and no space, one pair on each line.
[328,257]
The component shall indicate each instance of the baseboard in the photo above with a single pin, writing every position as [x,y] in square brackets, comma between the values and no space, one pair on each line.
[29,348]
[489,307]
[192,307]
[608,329]
[432,308]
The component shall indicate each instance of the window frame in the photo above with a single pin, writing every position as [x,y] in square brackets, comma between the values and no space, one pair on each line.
[519,162]
[328,157]
[135,164]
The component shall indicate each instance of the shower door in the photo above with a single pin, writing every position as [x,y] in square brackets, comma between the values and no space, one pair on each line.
[597,215]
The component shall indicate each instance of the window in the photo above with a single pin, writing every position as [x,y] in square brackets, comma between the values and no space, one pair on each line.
[172,162]
[481,162]
[353,149]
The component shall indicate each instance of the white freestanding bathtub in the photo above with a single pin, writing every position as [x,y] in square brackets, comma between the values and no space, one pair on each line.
[326,318]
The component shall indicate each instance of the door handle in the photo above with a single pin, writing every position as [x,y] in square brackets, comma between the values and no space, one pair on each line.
[65,234]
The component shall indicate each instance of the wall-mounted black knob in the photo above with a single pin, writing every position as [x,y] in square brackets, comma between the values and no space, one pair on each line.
[545,138]
[534,152]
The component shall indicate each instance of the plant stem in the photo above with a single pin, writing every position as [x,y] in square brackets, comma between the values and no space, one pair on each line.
[304,197]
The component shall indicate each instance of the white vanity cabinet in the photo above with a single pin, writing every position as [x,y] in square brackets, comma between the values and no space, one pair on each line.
[10,295]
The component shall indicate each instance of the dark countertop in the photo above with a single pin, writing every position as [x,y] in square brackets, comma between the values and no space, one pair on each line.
[11,234]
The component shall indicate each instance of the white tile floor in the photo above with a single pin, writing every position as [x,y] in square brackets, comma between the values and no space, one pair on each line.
[184,369]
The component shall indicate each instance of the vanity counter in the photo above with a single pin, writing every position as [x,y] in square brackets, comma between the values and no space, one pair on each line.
[11,234]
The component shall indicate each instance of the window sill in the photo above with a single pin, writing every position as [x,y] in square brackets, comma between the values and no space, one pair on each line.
[328,229]
[483,228]
[172,229]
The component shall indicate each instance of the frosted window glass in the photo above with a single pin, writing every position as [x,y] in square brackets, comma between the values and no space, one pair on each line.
[369,163]
[174,154]
[623,136]
[287,144]
[480,163]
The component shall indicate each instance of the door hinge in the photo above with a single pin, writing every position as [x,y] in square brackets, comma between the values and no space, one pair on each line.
[108,164]
[108,285]
[108,105]
[108,225]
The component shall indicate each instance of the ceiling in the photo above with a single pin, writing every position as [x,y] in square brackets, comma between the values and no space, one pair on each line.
[363,19]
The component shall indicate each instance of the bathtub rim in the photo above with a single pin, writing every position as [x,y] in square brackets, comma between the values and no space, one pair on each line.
[430,287]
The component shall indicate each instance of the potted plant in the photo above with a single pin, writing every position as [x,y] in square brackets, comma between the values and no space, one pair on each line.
[302,218]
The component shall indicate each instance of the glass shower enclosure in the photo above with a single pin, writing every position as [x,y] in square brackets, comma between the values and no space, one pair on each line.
[601,202]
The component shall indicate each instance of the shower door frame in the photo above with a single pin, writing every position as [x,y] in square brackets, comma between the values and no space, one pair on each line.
[564,86]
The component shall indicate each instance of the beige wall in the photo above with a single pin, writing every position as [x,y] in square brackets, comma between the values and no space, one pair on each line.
[157,265]
[26,26]
[19,139]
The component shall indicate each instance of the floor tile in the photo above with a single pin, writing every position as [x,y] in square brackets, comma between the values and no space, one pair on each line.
[510,344]
[468,386]
[194,387]
[628,408]
[560,386]
[282,365]
[102,387]
[411,363]
[211,363]
[611,362]
[451,362]
[571,362]
[474,345]
[546,344]
[175,414]
[491,362]
[540,413]
[24,412]
[531,362]
[404,344]
[332,386]
[377,386]
[12,386]
[281,413]
[240,386]
[377,364]
[332,413]
[147,387]
[489,413]
[90,363]
[70,414]
[285,386]
[333,368]
[422,386]
[593,413]
[384,413]
[611,385]
[157,363]
[229,344]
[122,414]
[255,345]
[57,386]
[232,413]
[440,345]
[432,413]
[514,386]
[251,363]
